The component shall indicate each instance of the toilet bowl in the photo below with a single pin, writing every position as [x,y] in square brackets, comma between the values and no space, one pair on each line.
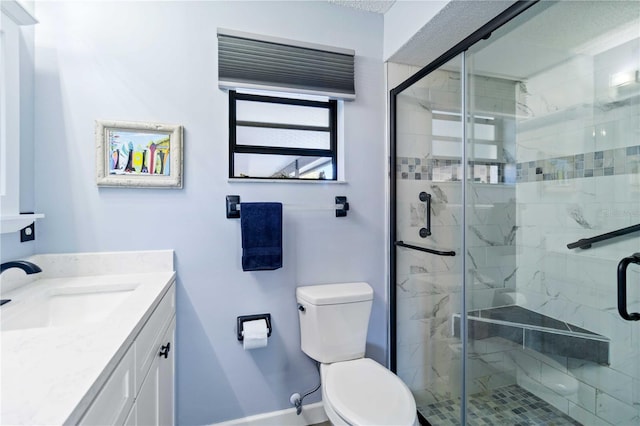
[355,390]
[363,392]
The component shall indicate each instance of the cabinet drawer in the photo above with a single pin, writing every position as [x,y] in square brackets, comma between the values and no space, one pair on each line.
[115,399]
[148,341]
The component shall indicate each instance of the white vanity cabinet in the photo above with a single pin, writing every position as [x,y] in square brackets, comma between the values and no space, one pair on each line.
[140,389]
[155,399]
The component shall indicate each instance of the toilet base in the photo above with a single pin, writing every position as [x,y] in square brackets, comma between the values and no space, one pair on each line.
[334,418]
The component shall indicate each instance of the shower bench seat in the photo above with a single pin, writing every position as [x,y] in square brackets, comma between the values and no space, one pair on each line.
[535,331]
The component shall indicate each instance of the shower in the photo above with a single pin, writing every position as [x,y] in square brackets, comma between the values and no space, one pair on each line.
[515,220]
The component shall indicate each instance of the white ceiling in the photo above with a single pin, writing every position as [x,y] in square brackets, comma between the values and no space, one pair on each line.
[377,6]
[561,30]
[558,32]
[457,20]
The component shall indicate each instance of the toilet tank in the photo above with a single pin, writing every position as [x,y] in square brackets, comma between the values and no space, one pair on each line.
[334,319]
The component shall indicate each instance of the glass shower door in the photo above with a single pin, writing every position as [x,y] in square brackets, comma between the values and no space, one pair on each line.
[426,268]
[554,153]
[536,318]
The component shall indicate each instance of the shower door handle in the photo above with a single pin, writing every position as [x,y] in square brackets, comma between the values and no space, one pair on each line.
[622,287]
[426,198]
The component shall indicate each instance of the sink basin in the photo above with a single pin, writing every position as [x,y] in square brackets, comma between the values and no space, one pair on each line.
[64,306]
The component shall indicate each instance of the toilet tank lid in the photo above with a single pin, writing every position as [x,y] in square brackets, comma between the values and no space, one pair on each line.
[329,294]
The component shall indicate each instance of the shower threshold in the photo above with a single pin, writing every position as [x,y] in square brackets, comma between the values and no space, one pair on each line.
[508,405]
[535,331]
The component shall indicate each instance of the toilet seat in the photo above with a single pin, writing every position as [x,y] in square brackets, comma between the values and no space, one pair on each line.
[363,392]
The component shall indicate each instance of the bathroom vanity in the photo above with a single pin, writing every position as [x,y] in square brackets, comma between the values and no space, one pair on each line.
[90,340]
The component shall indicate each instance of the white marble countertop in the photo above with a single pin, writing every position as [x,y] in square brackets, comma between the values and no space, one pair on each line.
[50,375]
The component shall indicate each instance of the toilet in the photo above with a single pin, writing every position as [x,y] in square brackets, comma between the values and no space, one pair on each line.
[333,331]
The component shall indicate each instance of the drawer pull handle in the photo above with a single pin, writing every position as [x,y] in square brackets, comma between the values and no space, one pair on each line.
[164,350]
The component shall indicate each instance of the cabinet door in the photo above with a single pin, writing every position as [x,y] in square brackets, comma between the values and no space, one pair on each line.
[152,334]
[131,418]
[155,403]
[166,378]
[113,403]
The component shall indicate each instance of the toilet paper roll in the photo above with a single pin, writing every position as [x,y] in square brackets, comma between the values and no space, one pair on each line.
[254,334]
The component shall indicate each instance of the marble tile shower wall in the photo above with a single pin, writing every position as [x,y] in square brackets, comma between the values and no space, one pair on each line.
[491,270]
[491,230]
[429,287]
[571,114]
[428,292]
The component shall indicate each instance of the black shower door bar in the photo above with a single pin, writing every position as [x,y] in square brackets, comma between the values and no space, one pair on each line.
[585,243]
[424,249]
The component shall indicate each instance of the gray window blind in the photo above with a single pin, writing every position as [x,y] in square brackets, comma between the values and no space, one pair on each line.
[261,62]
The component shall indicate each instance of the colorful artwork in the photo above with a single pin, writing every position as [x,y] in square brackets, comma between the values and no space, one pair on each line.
[139,153]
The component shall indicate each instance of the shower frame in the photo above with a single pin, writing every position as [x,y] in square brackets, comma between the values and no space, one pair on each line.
[482,33]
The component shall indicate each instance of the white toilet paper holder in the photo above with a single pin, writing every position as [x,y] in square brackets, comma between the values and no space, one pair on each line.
[243,318]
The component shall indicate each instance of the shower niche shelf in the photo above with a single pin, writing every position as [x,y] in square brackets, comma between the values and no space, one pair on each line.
[536,332]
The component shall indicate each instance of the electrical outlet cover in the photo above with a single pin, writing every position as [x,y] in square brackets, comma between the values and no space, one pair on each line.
[28,233]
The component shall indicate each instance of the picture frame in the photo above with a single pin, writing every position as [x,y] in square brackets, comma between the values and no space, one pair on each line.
[138,154]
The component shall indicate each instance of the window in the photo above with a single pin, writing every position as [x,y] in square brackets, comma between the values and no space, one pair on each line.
[282,138]
[486,162]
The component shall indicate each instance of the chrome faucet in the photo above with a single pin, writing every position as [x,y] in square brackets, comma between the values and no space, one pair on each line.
[28,267]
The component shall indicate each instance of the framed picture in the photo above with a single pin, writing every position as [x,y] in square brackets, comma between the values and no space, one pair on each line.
[140,155]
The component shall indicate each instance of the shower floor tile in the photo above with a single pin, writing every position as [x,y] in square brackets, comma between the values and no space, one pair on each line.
[510,405]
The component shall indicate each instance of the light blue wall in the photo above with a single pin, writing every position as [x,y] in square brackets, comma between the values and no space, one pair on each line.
[11,248]
[157,61]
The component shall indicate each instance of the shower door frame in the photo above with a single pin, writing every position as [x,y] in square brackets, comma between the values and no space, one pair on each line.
[483,32]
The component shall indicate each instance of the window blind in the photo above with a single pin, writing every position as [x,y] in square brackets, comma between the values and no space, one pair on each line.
[261,62]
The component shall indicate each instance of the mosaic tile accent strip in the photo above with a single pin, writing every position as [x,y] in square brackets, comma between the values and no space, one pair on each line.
[618,161]
[436,170]
[610,162]
[509,405]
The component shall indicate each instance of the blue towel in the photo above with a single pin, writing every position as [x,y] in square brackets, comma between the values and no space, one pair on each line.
[261,225]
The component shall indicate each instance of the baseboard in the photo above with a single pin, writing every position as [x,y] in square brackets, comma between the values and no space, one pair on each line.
[311,414]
